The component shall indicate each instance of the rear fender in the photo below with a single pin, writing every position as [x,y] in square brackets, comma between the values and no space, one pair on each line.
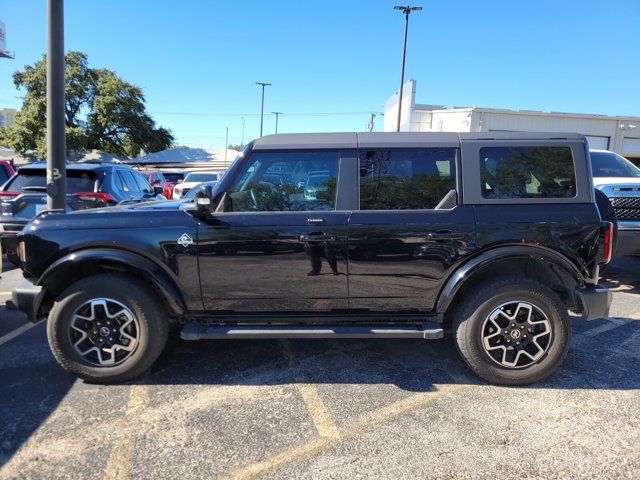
[529,252]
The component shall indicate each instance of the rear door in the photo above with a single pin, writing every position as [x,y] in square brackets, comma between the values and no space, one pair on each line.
[275,244]
[411,229]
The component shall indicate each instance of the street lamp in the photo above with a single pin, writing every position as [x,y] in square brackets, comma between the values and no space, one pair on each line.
[406,10]
[263,84]
[277,114]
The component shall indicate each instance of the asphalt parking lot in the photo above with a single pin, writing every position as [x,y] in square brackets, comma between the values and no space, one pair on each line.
[326,409]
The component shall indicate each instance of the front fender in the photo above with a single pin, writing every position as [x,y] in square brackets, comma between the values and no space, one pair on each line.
[463,273]
[65,268]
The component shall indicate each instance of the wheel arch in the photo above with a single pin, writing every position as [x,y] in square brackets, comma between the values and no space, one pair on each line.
[539,263]
[81,264]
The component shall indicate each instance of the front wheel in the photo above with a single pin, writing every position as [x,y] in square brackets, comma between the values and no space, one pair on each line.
[512,331]
[107,328]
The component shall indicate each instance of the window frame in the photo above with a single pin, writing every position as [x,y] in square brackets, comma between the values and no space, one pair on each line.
[230,180]
[471,177]
[456,172]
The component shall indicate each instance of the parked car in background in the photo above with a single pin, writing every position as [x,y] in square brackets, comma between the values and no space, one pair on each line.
[23,196]
[172,176]
[192,179]
[619,180]
[158,180]
[6,171]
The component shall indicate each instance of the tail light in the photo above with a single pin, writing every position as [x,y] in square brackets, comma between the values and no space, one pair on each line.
[9,194]
[607,242]
[92,196]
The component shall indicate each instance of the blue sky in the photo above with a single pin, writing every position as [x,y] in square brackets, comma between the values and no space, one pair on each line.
[331,62]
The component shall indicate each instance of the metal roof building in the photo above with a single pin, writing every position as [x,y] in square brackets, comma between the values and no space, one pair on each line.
[620,134]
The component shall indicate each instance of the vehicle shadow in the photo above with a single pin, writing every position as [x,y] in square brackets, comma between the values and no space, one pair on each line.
[610,360]
[32,387]
[621,276]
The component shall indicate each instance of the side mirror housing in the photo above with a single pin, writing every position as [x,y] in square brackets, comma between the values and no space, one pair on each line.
[158,190]
[203,199]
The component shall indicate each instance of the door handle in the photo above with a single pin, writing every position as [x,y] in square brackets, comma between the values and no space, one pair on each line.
[317,237]
[445,235]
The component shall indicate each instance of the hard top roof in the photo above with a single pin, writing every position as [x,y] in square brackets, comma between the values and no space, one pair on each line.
[287,141]
[76,166]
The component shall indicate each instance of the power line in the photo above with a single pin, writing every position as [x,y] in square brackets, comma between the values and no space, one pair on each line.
[299,114]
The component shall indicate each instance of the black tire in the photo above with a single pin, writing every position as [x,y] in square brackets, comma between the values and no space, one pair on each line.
[134,295]
[12,258]
[469,319]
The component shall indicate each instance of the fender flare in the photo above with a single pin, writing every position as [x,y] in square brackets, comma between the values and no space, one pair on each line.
[160,277]
[536,252]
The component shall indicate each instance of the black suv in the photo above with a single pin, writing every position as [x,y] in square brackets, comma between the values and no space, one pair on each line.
[23,196]
[494,237]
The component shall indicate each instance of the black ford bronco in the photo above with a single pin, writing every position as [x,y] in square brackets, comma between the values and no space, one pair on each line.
[494,237]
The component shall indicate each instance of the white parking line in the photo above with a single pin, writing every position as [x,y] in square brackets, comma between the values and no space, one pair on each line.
[18,331]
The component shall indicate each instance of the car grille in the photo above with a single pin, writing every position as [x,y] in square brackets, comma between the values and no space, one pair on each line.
[626,208]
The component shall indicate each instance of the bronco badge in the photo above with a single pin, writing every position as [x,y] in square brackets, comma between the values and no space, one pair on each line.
[185,240]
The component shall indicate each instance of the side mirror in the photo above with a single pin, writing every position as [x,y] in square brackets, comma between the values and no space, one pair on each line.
[203,199]
[158,190]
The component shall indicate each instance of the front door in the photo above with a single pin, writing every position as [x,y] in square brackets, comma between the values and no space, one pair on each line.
[278,245]
[410,232]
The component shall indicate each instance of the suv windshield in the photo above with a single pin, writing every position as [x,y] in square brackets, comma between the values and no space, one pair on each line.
[201,177]
[34,179]
[609,164]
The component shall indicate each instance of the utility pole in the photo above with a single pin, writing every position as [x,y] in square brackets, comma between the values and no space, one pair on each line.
[406,10]
[263,84]
[277,114]
[226,147]
[370,124]
[56,140]
[242,144]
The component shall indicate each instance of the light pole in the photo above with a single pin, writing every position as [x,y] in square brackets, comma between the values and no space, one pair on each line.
[263,84]
[277,114]
[56,139]
[406,10]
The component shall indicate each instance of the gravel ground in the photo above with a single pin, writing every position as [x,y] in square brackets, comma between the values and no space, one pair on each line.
[326,409]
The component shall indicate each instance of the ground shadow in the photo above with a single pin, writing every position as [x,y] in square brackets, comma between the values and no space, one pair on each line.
[606,361]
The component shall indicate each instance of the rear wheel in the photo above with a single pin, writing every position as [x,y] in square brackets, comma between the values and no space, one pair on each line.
[512,331]
[107,328]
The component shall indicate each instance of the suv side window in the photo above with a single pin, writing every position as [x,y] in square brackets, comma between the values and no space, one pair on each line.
[527,172]
[405,179]
[143,184]
[285,182]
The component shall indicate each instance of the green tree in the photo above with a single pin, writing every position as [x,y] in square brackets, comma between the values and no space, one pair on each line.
[102,111]
[237,147]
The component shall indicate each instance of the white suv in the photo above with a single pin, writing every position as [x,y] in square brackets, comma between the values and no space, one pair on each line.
[619,179]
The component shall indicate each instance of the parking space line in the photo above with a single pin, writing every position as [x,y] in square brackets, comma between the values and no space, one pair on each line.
[18,331]
[5,293]
[610,325]
[320,416]
[353,429]
[123,447]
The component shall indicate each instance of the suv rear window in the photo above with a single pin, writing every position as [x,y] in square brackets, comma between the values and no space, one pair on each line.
[35,179]
[527,172]
[405,179]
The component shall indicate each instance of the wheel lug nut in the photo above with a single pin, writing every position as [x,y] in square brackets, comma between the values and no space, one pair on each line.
[513,324]
[95,332]
[521,326]
[110,339]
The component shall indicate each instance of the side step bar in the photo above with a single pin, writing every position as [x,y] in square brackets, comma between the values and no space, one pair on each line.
[195,331]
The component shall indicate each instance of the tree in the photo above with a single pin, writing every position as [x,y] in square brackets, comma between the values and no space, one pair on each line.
[237,147]
[102,111]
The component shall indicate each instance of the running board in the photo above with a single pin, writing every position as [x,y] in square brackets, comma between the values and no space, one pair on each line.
[195,331]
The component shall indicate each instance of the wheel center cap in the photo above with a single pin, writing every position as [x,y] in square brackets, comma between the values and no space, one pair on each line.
[104,331]
[515,334]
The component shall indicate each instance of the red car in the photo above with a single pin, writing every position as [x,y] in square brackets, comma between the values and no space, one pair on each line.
[6,171]
[157,179]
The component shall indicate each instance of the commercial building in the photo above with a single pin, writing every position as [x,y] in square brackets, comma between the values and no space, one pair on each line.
[620,134]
